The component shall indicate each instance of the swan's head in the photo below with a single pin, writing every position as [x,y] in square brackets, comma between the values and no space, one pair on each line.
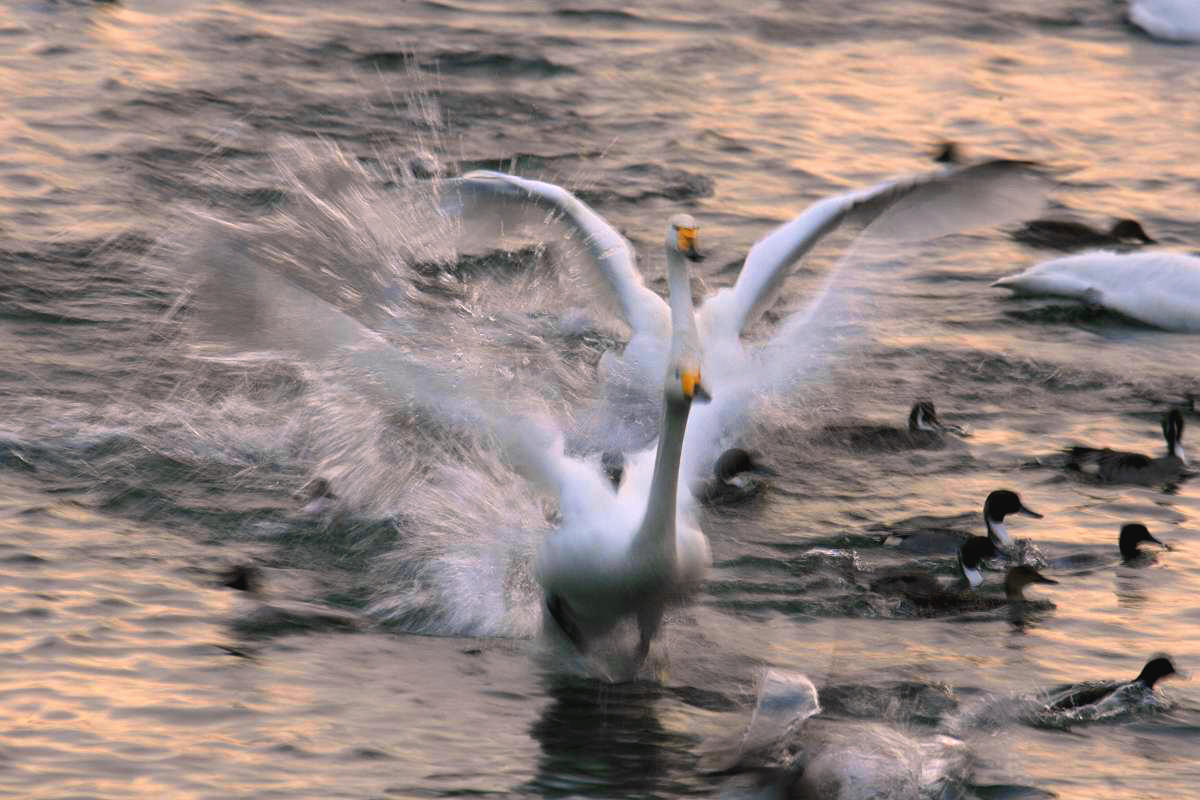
[683,376]
[681,236]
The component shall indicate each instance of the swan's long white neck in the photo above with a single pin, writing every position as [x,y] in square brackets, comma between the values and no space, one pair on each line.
[657,532]
[656,536]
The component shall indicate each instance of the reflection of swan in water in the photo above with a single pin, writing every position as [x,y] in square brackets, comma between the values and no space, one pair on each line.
[904,210]
[795,754]
[618,557]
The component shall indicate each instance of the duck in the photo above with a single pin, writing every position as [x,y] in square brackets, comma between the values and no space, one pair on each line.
[999,505]
[1131,536]
[1064,234]
[1159,289]
[1173,20]
[907,209]
[1115,466]
[603,566]
[923,589]
[264,617]
[925,430]
[738,476]
[1093,695]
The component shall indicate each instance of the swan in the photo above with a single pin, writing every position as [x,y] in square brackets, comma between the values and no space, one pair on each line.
[598,569]
[1159,289]
[907,209]
[1177,20]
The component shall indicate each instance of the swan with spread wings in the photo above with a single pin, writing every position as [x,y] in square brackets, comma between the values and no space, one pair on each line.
[908,209]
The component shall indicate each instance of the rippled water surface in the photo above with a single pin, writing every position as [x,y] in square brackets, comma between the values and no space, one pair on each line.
[172,171]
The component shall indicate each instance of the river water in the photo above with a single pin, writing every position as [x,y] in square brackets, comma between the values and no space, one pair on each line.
[171,169]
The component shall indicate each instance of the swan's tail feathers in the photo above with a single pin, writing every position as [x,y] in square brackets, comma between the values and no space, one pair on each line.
[560,612]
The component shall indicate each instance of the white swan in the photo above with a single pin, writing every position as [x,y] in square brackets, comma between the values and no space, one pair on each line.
[921,207]
[1177,20]
[1160,289]
[605,564]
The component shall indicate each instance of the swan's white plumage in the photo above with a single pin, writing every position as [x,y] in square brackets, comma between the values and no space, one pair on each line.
[1177,20]
[1160,289]
[907,209]
[631,552]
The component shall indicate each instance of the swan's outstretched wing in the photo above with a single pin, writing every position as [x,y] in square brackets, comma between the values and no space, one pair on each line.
[908,209]
[810,339]
[606,249]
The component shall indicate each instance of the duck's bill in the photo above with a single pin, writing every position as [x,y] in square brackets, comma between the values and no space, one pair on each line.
[957,430]
[1040,578]
[1029,512]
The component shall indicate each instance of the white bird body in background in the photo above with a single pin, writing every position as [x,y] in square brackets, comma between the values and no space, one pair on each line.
[1157,288]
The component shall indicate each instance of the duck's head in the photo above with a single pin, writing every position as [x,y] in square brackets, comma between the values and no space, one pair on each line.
[923,417]
[1002,502]
[736,461]
[1172,426]
[972,553]
[242,578]
[1130,230]
[1155,670]
[683,373]
[1132,535]
[1017,578]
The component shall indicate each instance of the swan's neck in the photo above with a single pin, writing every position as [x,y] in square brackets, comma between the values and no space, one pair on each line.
[656,537]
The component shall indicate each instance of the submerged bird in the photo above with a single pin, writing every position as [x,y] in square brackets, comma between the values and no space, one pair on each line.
[1115,466]
[1176,20]
[1159,289]
[924,430]
[316,495]
[737,477]
[992,192]
[923,589]
[602,566]
[998,505]
[1063,234]
[1092,695]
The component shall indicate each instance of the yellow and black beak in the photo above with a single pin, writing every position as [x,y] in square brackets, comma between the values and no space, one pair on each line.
[685,240]
[689,380]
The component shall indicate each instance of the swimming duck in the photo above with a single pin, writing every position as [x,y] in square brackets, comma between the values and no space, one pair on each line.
[1156,288]
[998,505]
[737,477]
[1115,466]
[924,430]
[1063,234]
[1132,535]
[1090,694]
[923,589]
